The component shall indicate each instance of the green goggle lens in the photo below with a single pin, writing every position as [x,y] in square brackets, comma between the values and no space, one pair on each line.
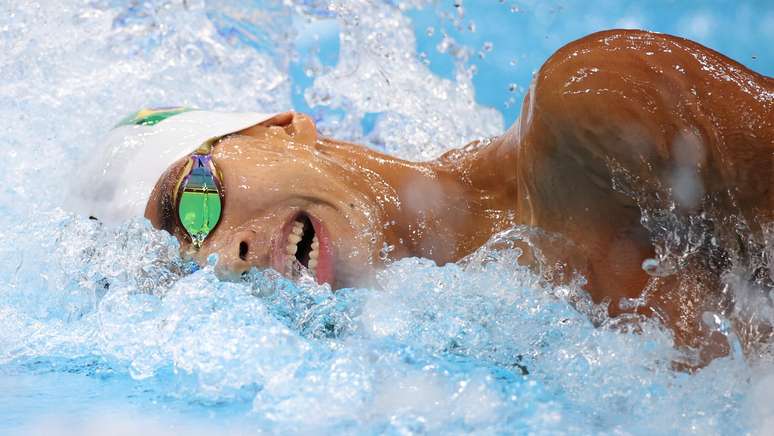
[200,203]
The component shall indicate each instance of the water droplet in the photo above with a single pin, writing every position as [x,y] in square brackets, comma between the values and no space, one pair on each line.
[650,266]
[384,253]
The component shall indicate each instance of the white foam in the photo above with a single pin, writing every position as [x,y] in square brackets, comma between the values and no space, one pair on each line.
[434,349]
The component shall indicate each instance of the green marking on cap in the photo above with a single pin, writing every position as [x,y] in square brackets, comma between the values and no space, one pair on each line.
[150,116]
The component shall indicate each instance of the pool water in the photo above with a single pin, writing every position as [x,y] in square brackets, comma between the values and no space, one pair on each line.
[482,346]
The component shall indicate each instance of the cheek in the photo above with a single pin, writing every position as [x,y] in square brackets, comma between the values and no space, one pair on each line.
[254,190]
[277,176]
[358,238]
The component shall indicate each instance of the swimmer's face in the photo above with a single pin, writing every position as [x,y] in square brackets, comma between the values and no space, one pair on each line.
[288,197]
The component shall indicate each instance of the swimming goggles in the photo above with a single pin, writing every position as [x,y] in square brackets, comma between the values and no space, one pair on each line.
[199,195]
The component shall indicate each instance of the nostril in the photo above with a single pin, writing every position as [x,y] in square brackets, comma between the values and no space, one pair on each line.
[243,247]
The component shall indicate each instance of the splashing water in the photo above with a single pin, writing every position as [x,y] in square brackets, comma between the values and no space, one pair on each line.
[107,327]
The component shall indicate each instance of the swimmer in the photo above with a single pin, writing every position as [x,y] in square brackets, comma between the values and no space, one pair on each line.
[614,124]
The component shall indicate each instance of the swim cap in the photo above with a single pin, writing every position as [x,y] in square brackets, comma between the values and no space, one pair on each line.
[115,183]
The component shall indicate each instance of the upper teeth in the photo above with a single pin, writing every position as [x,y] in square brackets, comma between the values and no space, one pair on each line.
[295,236]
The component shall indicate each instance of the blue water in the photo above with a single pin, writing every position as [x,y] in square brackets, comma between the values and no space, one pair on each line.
[482,346]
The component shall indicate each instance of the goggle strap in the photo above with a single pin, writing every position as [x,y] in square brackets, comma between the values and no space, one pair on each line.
[206,147]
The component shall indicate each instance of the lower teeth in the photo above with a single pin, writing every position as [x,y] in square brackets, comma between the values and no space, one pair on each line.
[295,270]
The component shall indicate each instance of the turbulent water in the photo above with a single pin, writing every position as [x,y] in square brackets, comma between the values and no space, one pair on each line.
[481,346]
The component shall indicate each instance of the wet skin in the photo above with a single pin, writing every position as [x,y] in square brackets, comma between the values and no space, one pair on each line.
[679,118]
[358,200]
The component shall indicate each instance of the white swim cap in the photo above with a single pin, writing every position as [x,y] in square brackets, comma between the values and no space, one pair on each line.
[115,183]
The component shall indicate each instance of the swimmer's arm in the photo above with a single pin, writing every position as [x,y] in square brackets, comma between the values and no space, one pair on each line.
[648,104]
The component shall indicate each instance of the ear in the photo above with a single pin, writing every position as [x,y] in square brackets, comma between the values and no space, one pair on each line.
[293,125]
[303,128]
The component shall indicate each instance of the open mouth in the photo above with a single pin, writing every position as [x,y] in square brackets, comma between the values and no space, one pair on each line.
[303,244]
[306,245]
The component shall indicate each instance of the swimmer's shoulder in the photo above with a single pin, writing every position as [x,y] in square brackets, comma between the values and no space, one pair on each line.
[662,52]
[656,81]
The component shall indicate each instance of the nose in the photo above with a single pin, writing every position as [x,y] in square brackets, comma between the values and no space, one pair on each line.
[237,254]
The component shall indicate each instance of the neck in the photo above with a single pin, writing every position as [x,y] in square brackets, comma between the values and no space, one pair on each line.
[446,208]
